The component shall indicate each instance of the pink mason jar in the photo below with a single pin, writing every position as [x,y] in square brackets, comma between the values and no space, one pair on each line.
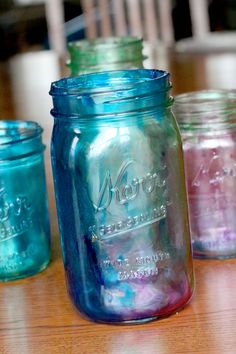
[207,121]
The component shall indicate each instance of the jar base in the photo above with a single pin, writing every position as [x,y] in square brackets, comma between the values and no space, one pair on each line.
[141,321]
[25,274]
[212,256]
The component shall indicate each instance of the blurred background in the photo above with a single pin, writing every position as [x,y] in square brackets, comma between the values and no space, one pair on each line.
[23,24]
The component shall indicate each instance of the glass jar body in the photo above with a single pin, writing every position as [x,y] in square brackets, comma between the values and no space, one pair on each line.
[24,224]
[210,168]
[123,222]
[105,54]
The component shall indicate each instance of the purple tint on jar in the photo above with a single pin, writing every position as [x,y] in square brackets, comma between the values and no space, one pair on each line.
[209,142]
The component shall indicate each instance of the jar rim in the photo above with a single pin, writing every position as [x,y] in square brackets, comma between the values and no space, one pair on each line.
[103,54]
[15,131]
[110,93]
[107,42]
[204,101]
[105,81]
[206,110]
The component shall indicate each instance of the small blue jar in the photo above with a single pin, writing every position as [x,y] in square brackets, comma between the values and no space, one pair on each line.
[120,192]
[24,224]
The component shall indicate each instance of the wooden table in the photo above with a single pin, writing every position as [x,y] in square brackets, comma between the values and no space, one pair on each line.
[36,315]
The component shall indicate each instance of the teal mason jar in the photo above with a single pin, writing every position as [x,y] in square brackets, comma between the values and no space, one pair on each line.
[24,224]
[118,172]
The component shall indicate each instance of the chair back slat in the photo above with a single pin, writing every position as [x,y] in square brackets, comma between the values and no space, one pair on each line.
[105,23]
[134,17]
[166,23]
[55,23]
[199,17]
[150,20]
[120,25]
[89,9]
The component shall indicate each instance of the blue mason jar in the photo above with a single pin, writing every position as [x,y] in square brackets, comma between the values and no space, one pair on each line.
[24,224]
[119,179]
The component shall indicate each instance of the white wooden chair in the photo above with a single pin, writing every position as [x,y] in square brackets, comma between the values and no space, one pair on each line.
[151,19]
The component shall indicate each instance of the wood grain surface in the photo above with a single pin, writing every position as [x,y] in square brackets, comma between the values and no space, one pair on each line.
[36,315]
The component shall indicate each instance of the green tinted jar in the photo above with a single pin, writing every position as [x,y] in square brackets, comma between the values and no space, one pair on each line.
[105,54]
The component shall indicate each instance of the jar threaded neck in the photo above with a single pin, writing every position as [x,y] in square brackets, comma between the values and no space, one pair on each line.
[112,93]
[206,109]
[105,54]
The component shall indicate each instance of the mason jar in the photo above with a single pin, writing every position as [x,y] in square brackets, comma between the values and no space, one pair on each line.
[120,192]
[103,54]
[24,224]
[207,120]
